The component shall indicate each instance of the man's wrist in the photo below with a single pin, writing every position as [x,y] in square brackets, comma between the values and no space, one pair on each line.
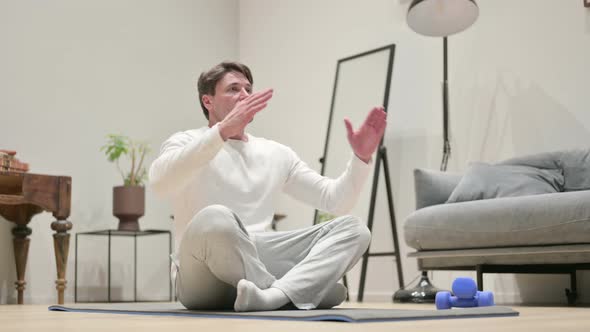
[366,160]
[222,131]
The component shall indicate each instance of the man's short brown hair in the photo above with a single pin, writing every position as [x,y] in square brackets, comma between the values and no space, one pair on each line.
[208,80]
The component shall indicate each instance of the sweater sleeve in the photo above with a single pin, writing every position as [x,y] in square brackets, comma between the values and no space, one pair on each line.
[337,196]
[180,156]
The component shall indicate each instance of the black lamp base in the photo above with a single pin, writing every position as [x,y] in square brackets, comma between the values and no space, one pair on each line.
[424,292]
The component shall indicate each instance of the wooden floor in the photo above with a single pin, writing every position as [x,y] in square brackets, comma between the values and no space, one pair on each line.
[32,318]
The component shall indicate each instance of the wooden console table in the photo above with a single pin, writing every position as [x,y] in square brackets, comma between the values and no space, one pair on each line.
[23,195]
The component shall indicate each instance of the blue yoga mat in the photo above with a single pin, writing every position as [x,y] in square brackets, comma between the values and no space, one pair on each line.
[357,315]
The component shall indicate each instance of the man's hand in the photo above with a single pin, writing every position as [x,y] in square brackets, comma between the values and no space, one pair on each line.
[243,112]
[365,140]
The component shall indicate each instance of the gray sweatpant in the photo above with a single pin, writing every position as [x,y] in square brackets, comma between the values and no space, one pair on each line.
[216,252]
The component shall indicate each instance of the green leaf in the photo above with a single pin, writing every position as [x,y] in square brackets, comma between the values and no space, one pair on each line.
[323,217]
[118,146]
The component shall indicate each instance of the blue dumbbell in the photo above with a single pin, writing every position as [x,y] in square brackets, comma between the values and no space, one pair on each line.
[466,296]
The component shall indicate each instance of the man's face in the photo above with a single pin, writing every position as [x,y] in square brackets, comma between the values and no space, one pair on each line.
[232,88]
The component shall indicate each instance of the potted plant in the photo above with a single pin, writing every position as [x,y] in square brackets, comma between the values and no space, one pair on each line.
[128,199]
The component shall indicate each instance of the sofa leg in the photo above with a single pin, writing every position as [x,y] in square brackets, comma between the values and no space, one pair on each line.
[572,294]
[479,270]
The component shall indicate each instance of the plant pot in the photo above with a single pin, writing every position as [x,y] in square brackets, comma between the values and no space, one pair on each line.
[128,206]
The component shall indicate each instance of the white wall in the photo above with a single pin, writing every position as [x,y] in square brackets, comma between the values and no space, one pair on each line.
[74,71]
[518,79]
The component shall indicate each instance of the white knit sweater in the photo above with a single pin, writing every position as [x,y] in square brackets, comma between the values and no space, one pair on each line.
[196,168]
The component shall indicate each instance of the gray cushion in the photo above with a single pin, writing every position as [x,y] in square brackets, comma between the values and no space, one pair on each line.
[574,163]
[484,181]
[547,160]
[576,177]
[558,218]
[433,187]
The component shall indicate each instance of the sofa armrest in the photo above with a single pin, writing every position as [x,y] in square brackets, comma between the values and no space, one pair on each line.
[433,187]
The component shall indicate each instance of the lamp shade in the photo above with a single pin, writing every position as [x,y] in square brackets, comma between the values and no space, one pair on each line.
[439,18]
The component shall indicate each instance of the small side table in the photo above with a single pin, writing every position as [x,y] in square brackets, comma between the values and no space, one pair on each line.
[113,232]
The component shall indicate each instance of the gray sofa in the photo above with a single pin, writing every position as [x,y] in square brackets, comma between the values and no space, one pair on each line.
[531,233]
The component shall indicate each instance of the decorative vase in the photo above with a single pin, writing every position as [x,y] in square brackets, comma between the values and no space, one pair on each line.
[128,206]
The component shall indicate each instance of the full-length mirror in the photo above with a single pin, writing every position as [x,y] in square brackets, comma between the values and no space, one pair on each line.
[362,82]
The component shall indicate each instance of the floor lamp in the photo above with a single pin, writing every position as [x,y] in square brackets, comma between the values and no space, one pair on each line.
[437,18]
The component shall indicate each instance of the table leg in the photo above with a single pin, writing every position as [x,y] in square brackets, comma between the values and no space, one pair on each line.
[170,264]
[21,243]
[61,243]
[134,267]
